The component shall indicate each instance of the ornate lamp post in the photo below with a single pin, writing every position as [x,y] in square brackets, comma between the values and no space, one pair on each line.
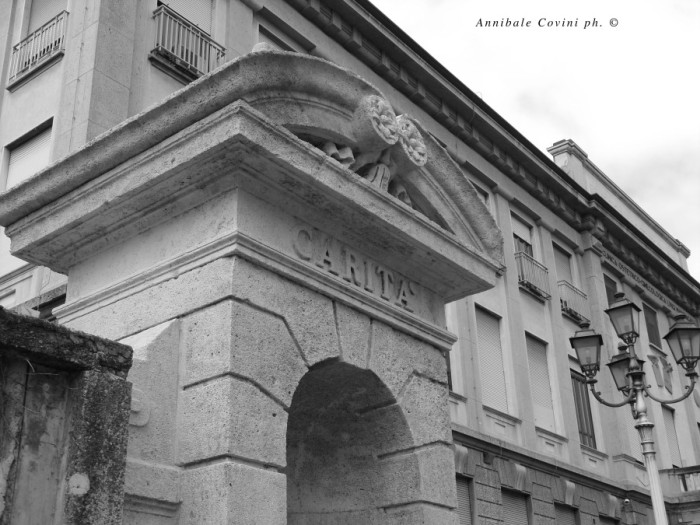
[628,373]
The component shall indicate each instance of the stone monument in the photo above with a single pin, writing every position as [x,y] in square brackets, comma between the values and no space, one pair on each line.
[277,246]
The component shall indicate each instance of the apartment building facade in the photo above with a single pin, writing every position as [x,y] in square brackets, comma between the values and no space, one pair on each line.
[531,445]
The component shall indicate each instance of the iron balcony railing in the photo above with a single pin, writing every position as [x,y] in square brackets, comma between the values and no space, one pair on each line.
[532,275]
[184,44]
[573,301]
[39,47]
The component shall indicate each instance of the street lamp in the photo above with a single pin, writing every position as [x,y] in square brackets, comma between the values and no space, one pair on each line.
[628,373]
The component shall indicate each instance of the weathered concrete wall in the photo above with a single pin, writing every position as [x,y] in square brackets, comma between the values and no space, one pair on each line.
[63,432]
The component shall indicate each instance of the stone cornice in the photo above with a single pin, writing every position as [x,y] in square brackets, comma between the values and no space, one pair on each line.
[375,40]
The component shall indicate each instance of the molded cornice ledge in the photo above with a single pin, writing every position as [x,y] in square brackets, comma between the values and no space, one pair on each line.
[309,138]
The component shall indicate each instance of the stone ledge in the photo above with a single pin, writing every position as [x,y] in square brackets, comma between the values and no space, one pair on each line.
[54,345]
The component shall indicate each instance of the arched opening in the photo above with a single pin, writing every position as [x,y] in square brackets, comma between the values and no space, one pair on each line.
[344,440]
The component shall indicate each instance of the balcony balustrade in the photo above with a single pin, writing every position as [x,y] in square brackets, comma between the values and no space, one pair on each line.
[40,47]
[532,275]
[677,481]
[181,43]
[574,302]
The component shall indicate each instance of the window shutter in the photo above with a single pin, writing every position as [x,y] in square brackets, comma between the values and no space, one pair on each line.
[514,508]
[199,12]
[564,515]
[635,444]
[670,424]
[493,382]
[610,289]
[464,504]
[562,262]
[652,326]
[28,158]
[540,383]
[583,410]
[521,229]
[42,11]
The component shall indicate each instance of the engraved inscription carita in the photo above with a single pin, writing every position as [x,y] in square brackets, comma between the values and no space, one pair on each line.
[336,258]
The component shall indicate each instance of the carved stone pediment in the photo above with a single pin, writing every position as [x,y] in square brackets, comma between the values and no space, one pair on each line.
[278,125]
[352,122]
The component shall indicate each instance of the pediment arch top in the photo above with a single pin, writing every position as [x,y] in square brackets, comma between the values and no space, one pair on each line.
[352,122]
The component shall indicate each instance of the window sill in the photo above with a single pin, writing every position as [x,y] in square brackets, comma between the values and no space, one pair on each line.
[171,67]
[534,291]
[574,316]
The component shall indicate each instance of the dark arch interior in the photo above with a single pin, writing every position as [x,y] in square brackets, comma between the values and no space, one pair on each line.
[343,435]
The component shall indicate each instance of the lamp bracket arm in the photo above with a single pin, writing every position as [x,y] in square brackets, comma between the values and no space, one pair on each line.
[598,396]
[688,390]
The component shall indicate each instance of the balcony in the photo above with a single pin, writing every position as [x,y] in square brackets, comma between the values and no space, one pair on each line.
[182,49]
[532,276]
[681,489]
[41,48]
[574,302]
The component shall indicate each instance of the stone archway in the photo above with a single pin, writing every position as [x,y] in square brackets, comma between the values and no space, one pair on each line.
[274,224]
[342,423]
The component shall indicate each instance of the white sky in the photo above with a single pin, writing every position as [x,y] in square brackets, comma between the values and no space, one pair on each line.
[629,95]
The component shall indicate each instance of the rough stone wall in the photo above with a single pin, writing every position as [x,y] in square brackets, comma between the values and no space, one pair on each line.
[65,405]
[489,474]
[286,407]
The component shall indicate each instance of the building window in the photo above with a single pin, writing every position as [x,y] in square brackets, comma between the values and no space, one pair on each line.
[482,193]
[562,262]
[522,236]
[27,156]
[493,381]
[583,410]
[184,48]
[564,515]
[532,275]
[574,303]
[515,511]
[198,12]
[41,11]
[672,436]
[464,501]
[540,383]
[610,289]
[652,326]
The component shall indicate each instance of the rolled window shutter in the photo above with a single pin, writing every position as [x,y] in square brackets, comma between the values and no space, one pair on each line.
[635,444]
[671,434]
[514,508]
[493,382]
[464,504]
[521,229]
[540,383]
[28,158]
[199,12]
[564,515]
[42,11]
[562,262]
